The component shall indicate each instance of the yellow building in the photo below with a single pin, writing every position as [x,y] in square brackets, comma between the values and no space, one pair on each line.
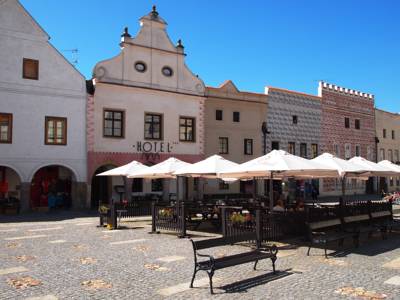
[233,129]
[387,126]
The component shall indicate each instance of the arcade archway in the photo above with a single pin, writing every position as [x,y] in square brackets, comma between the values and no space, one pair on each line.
[102,186]
[52,187]
[10,189]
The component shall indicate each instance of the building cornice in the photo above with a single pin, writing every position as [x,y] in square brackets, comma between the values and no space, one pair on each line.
[40,91]
[148,88]
[328,87]
[275,89]
[397,115]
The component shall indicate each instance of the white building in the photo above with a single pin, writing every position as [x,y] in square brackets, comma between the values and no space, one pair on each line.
[42,116]
[146,105]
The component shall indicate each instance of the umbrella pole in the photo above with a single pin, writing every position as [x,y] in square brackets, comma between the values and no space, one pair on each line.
[343,188]
[271,192]
[254,188]
[177,189]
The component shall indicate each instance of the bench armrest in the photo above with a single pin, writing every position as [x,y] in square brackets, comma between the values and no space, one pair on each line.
[273,249]
[212,259]
[318,233]
[205,255]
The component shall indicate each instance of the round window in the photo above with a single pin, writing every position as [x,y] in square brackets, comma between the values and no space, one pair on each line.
[167,71]
[140,66]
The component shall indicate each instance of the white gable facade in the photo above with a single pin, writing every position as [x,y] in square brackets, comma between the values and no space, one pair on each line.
[33,152]
[146,106]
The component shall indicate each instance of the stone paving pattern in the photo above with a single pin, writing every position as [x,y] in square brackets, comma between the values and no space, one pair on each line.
[81,261]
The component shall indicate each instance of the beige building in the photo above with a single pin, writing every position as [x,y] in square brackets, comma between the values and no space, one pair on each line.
[233,122]
[387,126]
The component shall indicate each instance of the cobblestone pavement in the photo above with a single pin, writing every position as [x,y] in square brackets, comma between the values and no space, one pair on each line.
[73,259]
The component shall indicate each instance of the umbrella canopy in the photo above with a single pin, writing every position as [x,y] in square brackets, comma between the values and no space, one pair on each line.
[344,167]
[207,168]
[164,169]
[372,169]
[278,164]
[125,170]
[390,165]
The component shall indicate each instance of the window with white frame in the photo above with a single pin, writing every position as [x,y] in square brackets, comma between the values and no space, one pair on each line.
[358,150]
[390,155]
[369,153]
[336,150]
[382,154]
[347,151]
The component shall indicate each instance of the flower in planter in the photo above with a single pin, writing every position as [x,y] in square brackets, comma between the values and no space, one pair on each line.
[237,218]
[166,212]
[103,209]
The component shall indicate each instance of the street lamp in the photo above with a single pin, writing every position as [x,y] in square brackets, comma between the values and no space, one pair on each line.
[265,131]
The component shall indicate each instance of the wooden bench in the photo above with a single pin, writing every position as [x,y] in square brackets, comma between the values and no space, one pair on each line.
[369,223]
[211,264]
[360,224]
[324,232]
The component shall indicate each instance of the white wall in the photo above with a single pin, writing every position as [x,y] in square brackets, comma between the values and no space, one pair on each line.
[135,102]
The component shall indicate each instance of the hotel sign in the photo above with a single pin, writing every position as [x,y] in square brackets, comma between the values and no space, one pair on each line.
[154,146]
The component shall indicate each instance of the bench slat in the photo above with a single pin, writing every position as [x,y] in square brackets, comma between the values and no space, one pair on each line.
[210,243]
[324,224]
[381,214]
[357,218]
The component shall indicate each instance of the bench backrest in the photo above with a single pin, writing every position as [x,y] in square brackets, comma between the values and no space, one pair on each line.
[210,243]
[324,224]
[380,214]
[358,218]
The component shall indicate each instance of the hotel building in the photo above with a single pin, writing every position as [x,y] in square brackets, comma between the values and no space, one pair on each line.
[145,105]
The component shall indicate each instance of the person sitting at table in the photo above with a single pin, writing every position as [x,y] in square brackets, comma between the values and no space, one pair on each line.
[299,206]
[279,206]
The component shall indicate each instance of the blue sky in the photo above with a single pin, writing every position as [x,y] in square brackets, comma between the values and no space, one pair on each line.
[286,44]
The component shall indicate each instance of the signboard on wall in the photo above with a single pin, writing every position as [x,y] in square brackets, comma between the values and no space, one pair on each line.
[154,146]
[151,150]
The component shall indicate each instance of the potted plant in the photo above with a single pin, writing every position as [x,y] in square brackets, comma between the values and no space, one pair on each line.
[104,211]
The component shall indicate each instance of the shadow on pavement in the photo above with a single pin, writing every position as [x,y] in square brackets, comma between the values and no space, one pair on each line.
[244,285]
[57,215]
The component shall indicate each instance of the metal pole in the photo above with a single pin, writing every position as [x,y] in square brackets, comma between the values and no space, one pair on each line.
[254,188]
[271,192]
[177,189]
[343,187]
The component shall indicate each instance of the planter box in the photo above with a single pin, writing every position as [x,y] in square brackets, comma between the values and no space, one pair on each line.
[41,209]
[10,210]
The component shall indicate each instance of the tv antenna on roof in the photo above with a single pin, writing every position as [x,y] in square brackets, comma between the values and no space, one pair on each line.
[74,55]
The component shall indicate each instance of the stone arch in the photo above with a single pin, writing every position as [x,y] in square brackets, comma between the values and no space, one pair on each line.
[44,165]
[94,169]
[101,186]
[10,183]
[21,178]
[54,186]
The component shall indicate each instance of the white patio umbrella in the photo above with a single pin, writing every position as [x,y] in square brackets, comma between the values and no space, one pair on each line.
[371,168]
[390,165]
[345,168]
[279,164]
[165,169]
[207,168]
[125,170]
